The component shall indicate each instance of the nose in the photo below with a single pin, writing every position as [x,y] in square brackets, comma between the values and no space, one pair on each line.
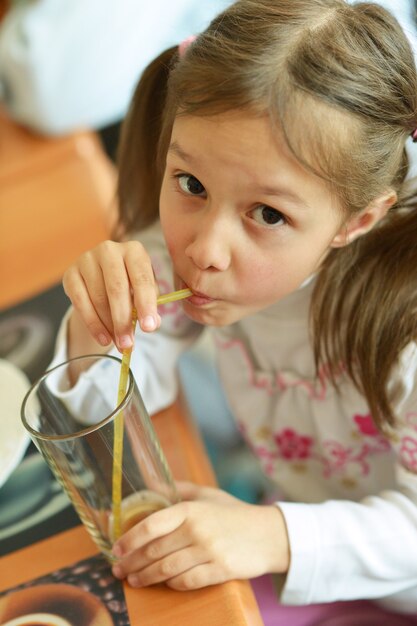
[211,245]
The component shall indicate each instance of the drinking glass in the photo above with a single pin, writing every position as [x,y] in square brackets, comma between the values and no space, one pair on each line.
[75,429]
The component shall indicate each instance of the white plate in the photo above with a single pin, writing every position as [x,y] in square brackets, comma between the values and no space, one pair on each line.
[13,437]
[31,496]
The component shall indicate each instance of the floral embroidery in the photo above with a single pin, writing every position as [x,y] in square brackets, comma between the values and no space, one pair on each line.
[263,433]
[340,459]
[411,419]
[280,381]
[293,446]
[366,425]
[316,390]
[337,459]
[289,445]
[408,453]
[349,483]
[347,462]
[267,459]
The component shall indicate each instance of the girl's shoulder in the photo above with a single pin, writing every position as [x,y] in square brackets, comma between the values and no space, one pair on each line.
[151,236]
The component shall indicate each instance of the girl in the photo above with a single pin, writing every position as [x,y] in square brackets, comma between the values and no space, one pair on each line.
[264,167]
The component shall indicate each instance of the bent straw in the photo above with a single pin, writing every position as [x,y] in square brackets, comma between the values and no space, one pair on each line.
[118,422]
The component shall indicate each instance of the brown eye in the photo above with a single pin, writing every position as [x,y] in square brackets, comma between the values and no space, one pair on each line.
[268,216]
[190,184]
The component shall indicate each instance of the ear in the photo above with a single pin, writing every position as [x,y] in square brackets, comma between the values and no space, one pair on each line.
[361,223]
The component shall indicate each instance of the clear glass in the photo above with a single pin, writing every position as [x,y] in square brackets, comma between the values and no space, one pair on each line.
[81,457]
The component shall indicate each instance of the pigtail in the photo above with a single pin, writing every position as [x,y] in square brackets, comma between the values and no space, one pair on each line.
[140,173]
[364,309]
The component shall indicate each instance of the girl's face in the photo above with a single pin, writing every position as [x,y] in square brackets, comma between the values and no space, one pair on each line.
[244,222]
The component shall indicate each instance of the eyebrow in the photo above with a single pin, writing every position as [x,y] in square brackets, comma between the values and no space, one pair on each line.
[176,149]
[276,192]
[286,194]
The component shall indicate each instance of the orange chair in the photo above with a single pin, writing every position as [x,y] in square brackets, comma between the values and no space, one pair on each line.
[57,199]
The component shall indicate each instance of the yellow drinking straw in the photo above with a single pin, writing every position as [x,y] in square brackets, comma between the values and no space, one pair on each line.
[118,422]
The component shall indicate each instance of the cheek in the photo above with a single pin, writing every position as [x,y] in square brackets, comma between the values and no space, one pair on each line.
[165,218]
[173,234]
[259,282]
[265,283]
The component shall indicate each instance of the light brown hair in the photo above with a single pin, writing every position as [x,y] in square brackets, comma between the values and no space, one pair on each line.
[340,81]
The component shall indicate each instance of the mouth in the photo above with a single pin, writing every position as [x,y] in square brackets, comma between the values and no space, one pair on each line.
[198,298]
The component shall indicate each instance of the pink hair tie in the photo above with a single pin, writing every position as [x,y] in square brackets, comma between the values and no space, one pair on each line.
[414,135]
[182,48]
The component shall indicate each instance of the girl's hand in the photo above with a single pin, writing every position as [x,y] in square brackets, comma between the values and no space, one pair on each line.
[103,285]
[211,539]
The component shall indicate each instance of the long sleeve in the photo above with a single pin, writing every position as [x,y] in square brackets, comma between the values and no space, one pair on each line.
[342,549]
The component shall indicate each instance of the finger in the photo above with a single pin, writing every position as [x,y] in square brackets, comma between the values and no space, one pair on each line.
[92,276]
[200,576]
[169,567]
[76,290]
[143,284]
[154,551]
[118,292]
[156,525]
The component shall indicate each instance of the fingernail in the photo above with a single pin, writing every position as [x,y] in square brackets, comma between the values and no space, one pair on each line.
[103,339]
[148,323]
[117,571]
[125,341]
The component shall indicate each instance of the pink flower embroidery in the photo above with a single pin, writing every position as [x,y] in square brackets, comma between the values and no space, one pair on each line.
[408,452]
[411,419]
[366,425]
[337,453]
[293,446]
